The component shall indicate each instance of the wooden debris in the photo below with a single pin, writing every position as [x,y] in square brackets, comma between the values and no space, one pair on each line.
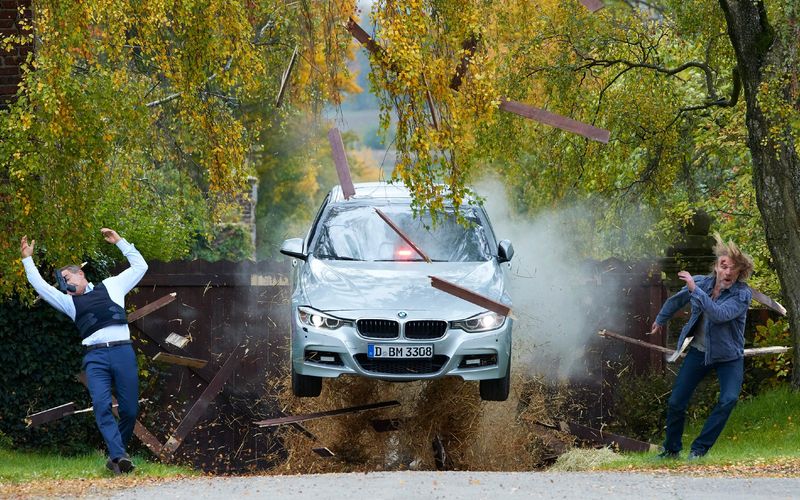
[178,341]
[402,235]
[768,301]
[274,422]
[285,79]
[555,120]
[340,160]
[323,452]
[153,306]
[751,351]
[174,359]
[606,438]
[198,409]
[387,424]
[51,414]
[641,343]
[470,296]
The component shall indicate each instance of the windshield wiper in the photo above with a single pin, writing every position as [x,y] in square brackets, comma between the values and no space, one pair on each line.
[334,257]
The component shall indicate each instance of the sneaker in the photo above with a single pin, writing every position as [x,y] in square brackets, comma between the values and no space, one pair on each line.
[668,455]
[695,455]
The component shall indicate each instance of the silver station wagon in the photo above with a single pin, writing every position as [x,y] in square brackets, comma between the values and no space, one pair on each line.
[363,303]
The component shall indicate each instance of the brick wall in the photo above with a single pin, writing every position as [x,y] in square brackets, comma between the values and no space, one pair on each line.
[10,61]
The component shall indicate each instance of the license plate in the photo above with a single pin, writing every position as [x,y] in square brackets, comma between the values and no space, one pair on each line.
[400,351]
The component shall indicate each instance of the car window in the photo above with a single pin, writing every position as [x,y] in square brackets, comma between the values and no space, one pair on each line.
[358,233]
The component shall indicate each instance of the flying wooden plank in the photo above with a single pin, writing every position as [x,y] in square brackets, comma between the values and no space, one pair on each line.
[340,160]
[768,301]
[152,306]
[402,235]
[174,359]
[606,438]
[199,407]
[285,79]
[50,414]
[751,351]
[593,5]
[555,120]
[274,422]
[470,296]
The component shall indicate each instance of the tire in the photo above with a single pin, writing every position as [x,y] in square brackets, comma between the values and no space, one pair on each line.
[497,389]
[304,386]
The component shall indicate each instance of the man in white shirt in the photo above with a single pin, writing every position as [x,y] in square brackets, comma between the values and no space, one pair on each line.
[110,361]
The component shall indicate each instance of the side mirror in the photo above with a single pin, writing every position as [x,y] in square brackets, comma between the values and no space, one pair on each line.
[505,251]
[293,247]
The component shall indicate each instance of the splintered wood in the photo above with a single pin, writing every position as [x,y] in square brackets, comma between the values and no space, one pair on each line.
[292,419]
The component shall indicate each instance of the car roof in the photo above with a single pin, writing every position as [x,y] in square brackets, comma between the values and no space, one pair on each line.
[366,191]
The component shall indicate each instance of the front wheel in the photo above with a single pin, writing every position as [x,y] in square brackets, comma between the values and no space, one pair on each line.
[305,386]
[497,389]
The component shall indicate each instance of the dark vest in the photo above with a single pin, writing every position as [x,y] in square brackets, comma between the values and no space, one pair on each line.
[96,310]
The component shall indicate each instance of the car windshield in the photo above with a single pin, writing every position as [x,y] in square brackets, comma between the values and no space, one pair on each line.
[359,233]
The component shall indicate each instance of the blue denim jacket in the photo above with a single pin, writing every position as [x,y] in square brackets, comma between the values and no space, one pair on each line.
[724,317]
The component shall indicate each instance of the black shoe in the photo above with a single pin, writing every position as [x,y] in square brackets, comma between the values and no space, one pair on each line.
[668,455]
[113,467]
[125,465]
[695,455]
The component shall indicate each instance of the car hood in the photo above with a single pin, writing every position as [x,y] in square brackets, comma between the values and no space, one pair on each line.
[339,286]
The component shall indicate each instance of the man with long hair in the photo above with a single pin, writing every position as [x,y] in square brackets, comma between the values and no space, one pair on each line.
[719,304]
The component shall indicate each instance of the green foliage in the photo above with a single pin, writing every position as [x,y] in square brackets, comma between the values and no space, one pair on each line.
[40,357]
[230,241]
[141,117]
[779,366]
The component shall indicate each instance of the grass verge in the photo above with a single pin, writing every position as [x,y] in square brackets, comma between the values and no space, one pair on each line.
[18,466]
[763,433]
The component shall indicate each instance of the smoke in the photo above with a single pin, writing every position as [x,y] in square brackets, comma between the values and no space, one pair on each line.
[552,286]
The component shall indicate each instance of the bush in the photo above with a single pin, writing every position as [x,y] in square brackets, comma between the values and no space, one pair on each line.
[38,364]
[777,368]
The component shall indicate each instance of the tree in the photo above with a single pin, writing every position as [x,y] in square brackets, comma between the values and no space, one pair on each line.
[142,116]
[659,75]
[767,47]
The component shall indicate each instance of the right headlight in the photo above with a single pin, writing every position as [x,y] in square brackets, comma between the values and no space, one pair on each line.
[480,323]
[312,317]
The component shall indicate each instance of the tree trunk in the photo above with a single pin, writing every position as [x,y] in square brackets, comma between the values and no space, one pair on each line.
[776,167]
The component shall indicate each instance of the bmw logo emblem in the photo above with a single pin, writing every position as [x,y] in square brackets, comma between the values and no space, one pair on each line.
[402,314]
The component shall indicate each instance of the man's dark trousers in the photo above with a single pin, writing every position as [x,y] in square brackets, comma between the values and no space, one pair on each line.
[113,367]
[730,375]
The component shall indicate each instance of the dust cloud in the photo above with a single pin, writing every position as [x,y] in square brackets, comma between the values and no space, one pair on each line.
[551,284]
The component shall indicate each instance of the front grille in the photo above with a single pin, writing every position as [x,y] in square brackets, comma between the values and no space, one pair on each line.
[427,329]
[402,366]
[378,328]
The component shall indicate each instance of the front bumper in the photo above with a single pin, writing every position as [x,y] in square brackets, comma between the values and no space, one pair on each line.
[471,356]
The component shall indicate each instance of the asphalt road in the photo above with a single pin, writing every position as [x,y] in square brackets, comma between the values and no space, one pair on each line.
[467,486]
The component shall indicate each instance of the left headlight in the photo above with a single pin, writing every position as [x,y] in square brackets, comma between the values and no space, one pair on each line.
[316,319]
[480,323]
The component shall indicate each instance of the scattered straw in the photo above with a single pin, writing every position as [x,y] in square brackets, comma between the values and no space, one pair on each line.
[577,460]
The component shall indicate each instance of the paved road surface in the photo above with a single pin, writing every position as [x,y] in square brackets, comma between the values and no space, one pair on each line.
[468,486]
